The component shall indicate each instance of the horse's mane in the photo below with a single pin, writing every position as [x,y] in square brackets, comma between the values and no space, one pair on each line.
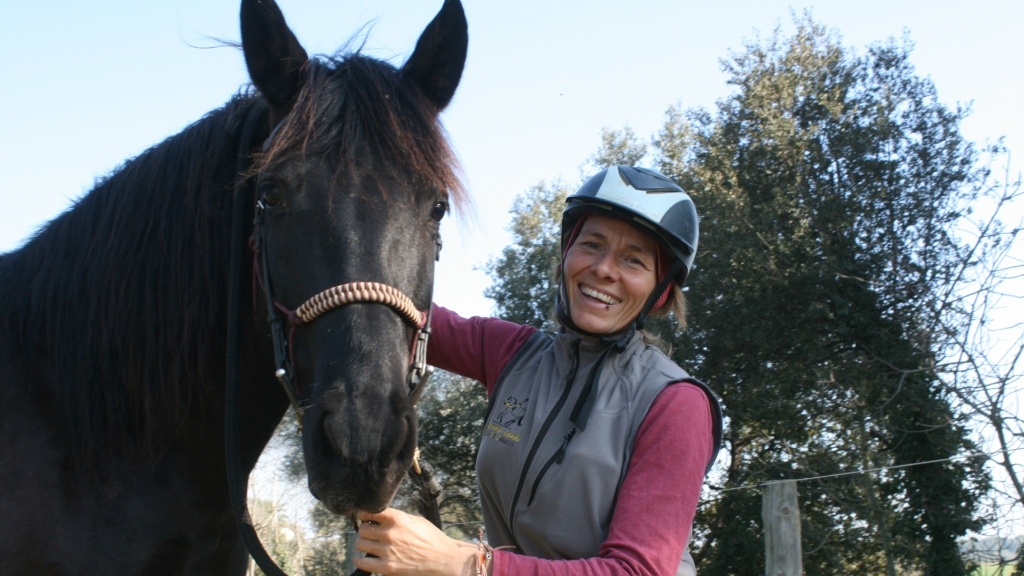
[120,302]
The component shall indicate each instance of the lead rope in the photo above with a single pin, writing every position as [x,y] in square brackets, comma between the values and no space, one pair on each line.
[237,478]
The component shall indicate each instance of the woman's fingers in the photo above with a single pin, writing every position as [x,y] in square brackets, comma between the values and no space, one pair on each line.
[382,517]
[369,564]
[370,546]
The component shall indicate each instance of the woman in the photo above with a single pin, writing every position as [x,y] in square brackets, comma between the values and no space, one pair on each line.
[595,444]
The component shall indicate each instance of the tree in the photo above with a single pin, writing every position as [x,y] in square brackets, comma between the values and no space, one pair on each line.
[832,189]
[524,287]
[280,534]
[619,147]
[829,186]
[451,418]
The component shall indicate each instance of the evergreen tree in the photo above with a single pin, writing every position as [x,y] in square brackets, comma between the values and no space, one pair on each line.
[619,147]
[524,289]
[451,418]
[828,185]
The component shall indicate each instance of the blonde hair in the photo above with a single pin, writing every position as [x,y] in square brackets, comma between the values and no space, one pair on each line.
[676,304]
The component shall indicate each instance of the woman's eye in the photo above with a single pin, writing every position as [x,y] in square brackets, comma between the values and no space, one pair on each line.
[438,211]
[636,262]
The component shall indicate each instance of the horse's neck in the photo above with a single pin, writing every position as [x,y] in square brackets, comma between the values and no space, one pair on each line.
[120,301]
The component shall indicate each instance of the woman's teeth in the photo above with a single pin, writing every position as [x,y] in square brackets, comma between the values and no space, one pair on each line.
[598,296]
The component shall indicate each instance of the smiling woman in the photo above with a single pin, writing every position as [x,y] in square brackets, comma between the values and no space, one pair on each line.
[597,435]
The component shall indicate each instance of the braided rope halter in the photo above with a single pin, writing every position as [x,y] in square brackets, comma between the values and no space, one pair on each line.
[325,301]
[338,296]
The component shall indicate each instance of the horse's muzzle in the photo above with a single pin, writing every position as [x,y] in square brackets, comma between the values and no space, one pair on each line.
[356,460]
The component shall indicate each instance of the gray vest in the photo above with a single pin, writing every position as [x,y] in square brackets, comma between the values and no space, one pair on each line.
[526,486]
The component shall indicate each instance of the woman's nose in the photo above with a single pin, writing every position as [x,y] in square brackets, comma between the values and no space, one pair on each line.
[605,266]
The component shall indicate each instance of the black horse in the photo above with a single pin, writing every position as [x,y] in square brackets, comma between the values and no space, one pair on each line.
[113,318]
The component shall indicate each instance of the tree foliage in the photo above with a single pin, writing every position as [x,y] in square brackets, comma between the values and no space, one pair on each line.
[830,188]
[524,287]
[619,147]
[451,420]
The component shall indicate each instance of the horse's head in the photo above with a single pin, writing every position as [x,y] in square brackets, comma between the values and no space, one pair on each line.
[351,187]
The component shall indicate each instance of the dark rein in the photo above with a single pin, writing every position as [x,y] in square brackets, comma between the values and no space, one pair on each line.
[327,300]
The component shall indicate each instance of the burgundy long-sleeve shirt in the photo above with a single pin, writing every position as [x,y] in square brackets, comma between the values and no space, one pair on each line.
[654,511]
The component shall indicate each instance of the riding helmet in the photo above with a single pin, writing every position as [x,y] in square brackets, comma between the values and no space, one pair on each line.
[643,197]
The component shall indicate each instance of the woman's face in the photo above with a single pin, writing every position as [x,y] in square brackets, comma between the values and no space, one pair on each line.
[609,274]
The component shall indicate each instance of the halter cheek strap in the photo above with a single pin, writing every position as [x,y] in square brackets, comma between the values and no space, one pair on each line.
[325,301]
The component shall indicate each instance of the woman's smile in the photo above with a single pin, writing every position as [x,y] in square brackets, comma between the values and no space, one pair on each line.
[590,292]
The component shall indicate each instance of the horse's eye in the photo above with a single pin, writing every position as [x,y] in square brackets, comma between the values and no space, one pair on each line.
[439,210]
[270,195]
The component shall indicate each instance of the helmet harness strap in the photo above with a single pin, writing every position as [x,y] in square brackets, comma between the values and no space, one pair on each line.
[580,414]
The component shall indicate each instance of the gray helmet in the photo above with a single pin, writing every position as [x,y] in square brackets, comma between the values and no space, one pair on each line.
[644,197]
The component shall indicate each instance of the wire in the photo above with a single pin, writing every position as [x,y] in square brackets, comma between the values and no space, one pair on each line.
[869,470]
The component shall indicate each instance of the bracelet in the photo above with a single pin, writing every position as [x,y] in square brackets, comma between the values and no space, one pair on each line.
[484,554]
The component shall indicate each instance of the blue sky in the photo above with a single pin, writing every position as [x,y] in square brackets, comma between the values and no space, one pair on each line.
[87,85]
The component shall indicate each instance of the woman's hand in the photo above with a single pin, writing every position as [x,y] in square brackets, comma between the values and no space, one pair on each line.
[406,544]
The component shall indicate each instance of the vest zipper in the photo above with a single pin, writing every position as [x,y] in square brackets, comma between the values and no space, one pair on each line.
[555,459]
[578,418]
[574,355]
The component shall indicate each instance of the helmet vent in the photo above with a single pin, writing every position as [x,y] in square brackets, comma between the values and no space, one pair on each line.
[647,180]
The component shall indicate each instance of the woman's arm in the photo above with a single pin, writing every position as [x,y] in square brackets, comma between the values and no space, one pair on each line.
[650,525]
[477,347]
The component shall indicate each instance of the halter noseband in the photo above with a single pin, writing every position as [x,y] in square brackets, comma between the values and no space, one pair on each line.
[325,301]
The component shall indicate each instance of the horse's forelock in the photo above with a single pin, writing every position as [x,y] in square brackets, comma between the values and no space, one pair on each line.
[354,107]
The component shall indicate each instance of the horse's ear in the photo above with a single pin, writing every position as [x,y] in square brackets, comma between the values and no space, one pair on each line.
[272,53]
[436,64]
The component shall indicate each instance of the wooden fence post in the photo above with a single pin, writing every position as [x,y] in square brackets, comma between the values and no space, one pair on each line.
[781,514]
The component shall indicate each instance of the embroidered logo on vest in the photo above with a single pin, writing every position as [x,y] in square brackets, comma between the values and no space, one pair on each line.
[500,427]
